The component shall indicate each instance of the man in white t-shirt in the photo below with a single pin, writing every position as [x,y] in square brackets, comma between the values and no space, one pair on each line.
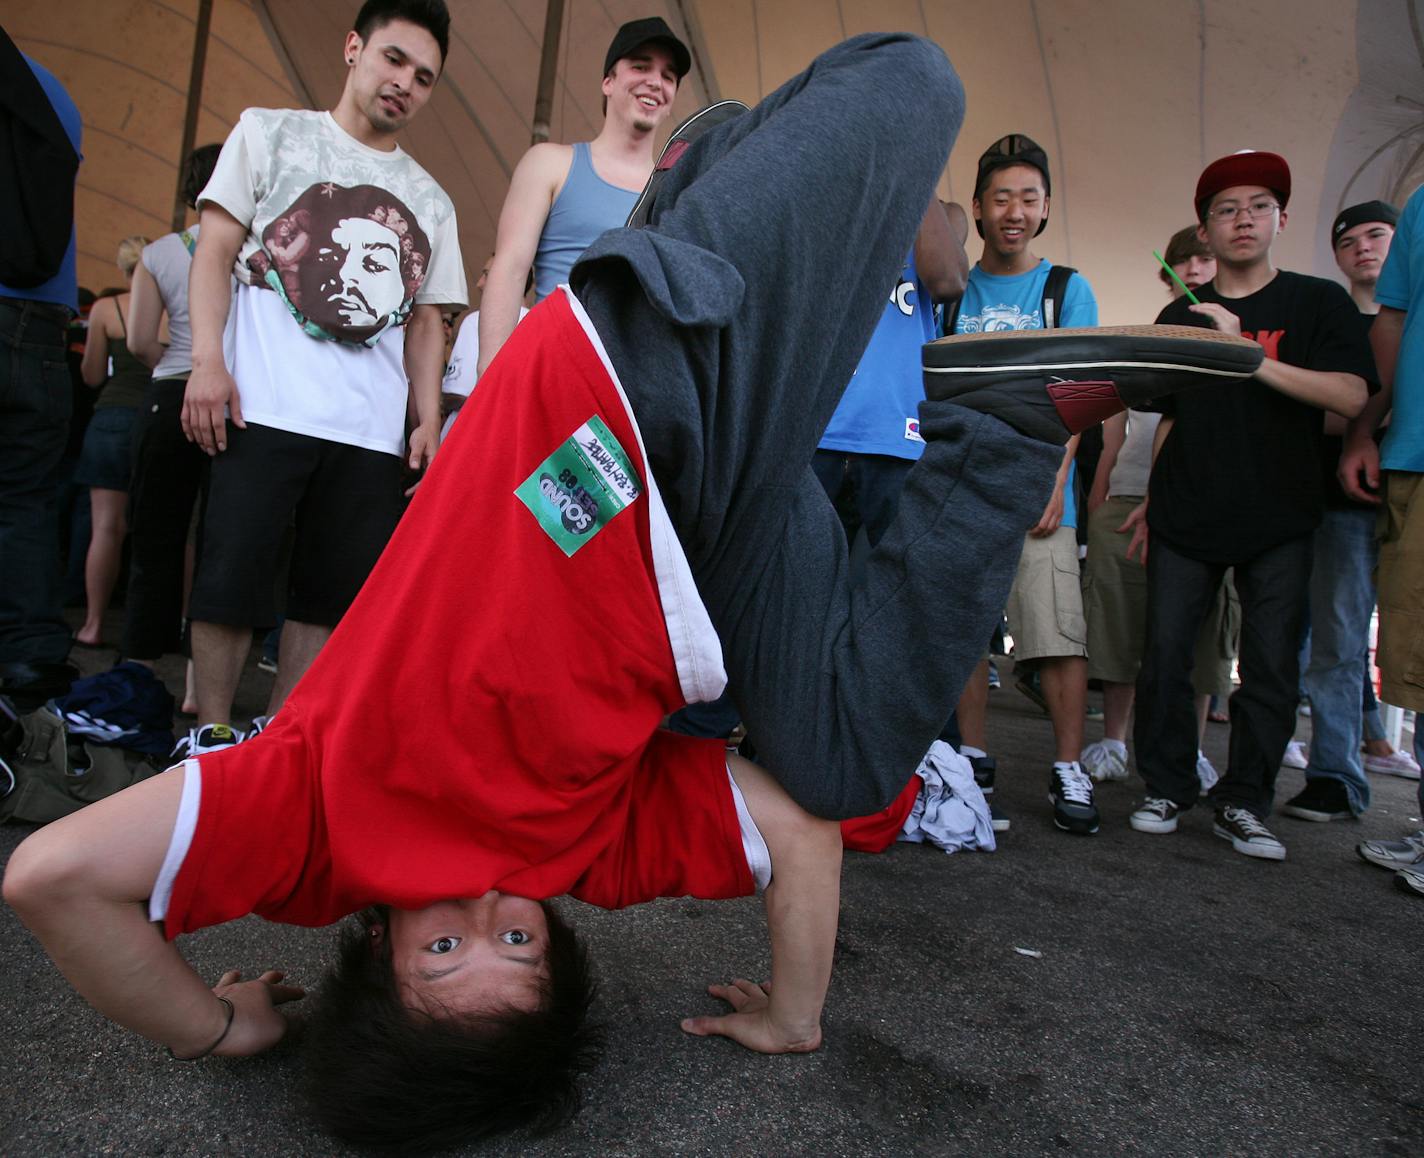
[346,253]
[464,355]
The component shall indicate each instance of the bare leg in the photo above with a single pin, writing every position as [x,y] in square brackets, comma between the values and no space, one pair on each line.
[1117,709]
[219,651]
[300,644]
[101,565]
[1065,687]
[1203,705]
[973,709]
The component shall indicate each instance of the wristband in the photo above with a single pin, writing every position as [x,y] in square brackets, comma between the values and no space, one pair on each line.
[221,1037]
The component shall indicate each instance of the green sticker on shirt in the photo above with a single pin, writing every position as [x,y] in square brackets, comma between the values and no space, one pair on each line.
[581,487]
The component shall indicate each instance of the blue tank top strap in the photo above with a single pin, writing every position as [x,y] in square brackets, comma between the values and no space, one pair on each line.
[586,207]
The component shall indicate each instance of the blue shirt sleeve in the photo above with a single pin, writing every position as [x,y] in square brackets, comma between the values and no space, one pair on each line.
[1392,289]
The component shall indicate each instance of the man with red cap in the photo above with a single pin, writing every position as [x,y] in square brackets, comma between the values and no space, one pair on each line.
[1236,483]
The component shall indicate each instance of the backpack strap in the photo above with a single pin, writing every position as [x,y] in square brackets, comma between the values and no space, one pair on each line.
[951,316]
[1055,289]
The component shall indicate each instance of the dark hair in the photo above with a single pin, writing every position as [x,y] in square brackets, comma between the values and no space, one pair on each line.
[431,15]
[198,171]
[1185,244]
[387,1077]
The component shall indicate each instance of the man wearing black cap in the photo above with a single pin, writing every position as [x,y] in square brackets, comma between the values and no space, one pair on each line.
[1342,587]
[561,197]
[1011,289]
[1236,482]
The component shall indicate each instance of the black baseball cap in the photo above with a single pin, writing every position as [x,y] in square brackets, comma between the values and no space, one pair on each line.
[638,32]
[1013,149]
[1366,211]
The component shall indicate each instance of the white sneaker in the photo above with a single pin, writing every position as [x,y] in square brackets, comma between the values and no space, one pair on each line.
[1399,763]
[1206,772]
[1394,854]
[1297,756]
[1105,760]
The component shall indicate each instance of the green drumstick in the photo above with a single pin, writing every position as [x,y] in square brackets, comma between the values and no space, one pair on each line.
[1172,273]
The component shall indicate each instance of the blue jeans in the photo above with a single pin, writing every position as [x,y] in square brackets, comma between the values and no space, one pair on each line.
[1342,595]
[34,425]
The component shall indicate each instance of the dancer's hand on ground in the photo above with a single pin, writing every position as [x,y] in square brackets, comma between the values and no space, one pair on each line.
[257,1024]
[752,1023]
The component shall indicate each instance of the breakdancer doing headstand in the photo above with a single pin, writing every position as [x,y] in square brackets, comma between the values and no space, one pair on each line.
[624,518]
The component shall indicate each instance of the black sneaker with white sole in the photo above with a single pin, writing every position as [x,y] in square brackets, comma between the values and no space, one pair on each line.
[984,768]
[1248,836]
[1052,384]
[1071,793]
[1155,814]
[678,143]
[1323,799]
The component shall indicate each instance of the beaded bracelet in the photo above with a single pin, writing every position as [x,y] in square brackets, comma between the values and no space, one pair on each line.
[221,1036]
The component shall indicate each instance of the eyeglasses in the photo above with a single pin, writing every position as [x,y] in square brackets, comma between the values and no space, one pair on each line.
[1256,210]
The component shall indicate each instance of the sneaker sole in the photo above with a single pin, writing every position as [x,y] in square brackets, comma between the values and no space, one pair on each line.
[1189,349]
[1001,825]
[679,142]
[1384,860]
[1409,883]
[1153,826]
[1311,814]
[1400,773]
[1246,848]
[1078,827]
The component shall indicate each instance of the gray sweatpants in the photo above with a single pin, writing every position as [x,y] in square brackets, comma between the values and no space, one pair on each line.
[735,322]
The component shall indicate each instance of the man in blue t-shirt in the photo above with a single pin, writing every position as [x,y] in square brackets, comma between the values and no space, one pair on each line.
[873,438]
[1006,291]
[34,425]
[1390,474]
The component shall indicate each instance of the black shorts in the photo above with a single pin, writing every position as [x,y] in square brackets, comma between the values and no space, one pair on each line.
[344,501]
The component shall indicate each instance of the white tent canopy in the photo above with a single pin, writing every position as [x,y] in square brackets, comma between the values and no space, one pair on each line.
[1130,98]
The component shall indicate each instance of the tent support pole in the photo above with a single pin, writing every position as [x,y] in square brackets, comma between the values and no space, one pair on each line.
[548,70]
[195,104]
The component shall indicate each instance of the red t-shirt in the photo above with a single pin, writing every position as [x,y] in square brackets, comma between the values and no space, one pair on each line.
[487,714]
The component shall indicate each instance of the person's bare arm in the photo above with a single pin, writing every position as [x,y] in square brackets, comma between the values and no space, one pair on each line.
[1052,517]
[802,912]
[94,368]
[1359,470]
[210,386]
[1334,390]
[1114,435]
[1136,521]
[532,189]
[424,367]
[82,885]
[940,259]
[145,316]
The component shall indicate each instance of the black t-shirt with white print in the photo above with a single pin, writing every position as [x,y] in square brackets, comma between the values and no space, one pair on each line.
[1240,471]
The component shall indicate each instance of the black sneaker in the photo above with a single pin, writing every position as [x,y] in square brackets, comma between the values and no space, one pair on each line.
[1247,834]
[201,741]
[1323,799]
[1155,814]
[984,768]
[1071,792]
[682,137]
[1052,384]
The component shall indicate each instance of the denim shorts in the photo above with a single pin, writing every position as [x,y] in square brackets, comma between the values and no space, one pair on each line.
[106,460]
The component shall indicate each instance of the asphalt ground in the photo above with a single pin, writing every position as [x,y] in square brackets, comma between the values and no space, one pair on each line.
[1185,1000]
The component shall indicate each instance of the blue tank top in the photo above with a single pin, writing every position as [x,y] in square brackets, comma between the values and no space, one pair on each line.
[586,207]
